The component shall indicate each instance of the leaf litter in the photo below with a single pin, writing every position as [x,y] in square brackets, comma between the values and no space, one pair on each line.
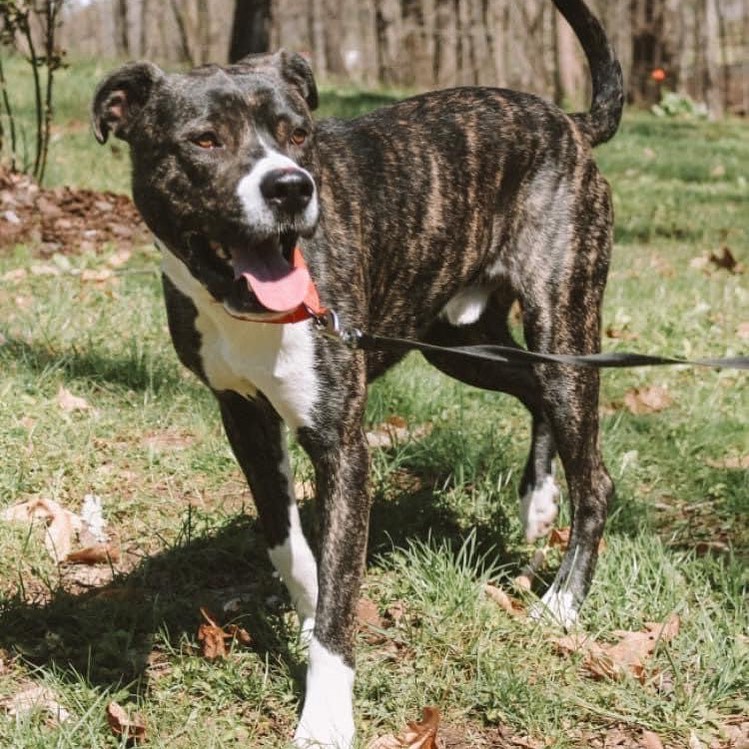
[213,637]
[628,656]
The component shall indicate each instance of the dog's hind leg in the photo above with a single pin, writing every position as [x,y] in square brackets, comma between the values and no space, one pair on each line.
[538,488]
[257,437]
[562,314]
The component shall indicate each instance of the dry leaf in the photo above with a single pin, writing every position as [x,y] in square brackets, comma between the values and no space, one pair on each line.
[213,637]
[97,554]
[650,740]
[35,698]
[742,331]
[559,538]
[133,729]
[61,523]
[417,736]
[511,605]
[647,400]
[69,402]
[627,656]
[621,334]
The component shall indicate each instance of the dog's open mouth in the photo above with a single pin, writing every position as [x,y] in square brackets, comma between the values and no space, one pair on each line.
[271,280]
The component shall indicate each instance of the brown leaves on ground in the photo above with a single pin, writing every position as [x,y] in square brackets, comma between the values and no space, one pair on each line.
[627,656]
[213,637]
[61,524]
[507,603]
[417,736]
[133,729]
[64,219]
[647,400]
[33,698]
[62,529]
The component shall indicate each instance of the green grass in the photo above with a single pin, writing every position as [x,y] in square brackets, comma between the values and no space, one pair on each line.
[444,517]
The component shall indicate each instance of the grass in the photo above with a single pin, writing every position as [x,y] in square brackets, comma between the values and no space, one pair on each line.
[444,517]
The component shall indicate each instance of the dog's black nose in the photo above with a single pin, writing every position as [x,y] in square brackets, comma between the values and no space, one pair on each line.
[288,189]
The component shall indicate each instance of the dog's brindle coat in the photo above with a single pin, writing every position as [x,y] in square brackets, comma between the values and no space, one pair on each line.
[424,219]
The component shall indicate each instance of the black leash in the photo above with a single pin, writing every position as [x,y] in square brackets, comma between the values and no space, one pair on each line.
[329,325]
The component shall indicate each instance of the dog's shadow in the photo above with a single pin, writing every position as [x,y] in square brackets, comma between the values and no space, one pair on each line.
[116,635]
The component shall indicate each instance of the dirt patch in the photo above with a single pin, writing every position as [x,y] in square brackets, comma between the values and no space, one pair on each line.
[64,219]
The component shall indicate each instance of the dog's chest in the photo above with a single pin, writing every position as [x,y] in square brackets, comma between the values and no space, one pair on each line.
[247,357]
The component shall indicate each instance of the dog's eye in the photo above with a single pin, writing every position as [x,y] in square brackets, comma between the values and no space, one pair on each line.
[207,140]
[298,136]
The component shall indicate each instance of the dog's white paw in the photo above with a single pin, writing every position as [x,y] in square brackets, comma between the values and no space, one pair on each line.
[556,606]
[539,509]
[327,720]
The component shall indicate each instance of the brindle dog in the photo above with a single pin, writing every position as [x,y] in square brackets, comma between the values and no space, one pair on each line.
[424,219]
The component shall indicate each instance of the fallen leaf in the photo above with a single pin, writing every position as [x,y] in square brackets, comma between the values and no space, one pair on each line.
[742,331]
[627,656]
[647,400]
[213,637]
[417,736]
[132,729]
[61,523]
[511,605]
[35,698]
[621,334]
[97,554]
[650,740]
[69,402]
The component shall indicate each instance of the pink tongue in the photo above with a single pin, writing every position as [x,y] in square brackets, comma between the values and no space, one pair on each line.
[278,286]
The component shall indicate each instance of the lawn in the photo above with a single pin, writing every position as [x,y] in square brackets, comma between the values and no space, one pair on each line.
[88,323]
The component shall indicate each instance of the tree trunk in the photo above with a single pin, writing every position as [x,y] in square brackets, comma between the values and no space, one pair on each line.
[122,37]
[250,31]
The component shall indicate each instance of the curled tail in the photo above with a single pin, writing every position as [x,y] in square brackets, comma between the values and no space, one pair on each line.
[602,120]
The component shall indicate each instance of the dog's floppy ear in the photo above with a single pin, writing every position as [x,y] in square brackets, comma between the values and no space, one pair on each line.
[293,68]
[296,70]
[120,97]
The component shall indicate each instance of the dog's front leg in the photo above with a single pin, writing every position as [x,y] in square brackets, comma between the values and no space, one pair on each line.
[256,434]
[341,460]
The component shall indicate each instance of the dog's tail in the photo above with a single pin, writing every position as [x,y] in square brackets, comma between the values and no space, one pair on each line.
[602,121]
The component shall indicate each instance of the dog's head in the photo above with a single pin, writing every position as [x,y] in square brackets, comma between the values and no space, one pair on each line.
[222,170]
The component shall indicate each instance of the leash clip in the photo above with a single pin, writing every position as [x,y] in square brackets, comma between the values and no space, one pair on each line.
[329,325]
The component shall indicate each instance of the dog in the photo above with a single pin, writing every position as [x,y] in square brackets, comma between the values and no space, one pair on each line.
[425,219]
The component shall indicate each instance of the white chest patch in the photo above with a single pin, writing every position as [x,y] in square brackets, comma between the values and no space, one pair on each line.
[247,357]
